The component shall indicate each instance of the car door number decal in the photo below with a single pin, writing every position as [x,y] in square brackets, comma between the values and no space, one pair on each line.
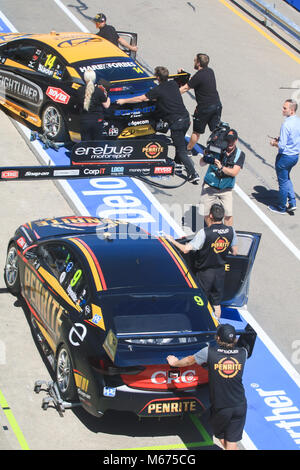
[76,278]
[199,301]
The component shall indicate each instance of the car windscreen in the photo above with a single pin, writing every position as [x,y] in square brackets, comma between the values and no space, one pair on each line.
[171,317]
[115,69]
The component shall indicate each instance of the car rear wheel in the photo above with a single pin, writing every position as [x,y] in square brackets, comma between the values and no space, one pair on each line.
[64,375]
[11,270]
[53,124]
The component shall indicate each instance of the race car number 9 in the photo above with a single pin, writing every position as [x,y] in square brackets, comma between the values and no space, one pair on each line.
[76,278]
[198,300]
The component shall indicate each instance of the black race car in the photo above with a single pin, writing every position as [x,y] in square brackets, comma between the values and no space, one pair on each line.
[108,303]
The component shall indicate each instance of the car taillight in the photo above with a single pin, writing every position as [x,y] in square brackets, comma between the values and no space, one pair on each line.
[117,89]
[106,367]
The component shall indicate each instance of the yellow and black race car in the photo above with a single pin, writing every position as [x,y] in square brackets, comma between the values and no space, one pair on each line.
[109,302]
[40,73]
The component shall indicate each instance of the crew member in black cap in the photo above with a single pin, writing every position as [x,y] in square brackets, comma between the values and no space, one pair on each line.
[210,246]
[225,362]
[108,32]
[219,179]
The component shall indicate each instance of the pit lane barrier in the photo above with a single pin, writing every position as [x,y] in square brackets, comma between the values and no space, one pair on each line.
[135,158]
[272,15]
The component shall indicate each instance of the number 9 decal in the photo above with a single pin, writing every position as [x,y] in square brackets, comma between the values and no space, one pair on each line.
[198,300]
[76,278]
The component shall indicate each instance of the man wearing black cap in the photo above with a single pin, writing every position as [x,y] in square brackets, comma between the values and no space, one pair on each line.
[225,362]
[220,177]
[108,32]
[210,247]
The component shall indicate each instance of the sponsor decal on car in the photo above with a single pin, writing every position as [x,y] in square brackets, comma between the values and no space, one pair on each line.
[17,87]
[58,95]
[171,406]
[162,378]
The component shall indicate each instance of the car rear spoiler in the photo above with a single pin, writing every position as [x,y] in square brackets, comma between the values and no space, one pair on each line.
[123,351]
[181,78]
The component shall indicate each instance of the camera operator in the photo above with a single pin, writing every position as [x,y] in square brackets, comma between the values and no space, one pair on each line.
[220,177]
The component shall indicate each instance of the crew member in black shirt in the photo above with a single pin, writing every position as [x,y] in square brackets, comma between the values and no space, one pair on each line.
[92,99]
[108,32]
[171,108]
[225,362]
[209,108]
[211,245]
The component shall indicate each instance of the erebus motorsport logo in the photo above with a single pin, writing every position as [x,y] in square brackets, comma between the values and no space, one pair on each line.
[102,152]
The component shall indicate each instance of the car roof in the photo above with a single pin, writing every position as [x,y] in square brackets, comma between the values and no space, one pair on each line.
[136,260]
[73,46]
[125,254]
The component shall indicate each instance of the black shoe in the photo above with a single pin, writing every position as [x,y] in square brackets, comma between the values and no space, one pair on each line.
[291,207]
[195,178]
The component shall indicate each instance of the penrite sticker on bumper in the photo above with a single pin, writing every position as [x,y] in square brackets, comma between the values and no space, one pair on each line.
[171,406]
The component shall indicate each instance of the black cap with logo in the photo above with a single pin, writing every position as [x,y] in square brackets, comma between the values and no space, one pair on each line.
[99,18]
[226,333]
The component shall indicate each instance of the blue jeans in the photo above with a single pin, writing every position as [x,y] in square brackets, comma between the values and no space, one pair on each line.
[283,166]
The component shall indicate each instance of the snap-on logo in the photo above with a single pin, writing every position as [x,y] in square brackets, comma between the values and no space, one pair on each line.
[57,95]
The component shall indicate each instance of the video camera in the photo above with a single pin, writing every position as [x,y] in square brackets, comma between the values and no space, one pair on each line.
[216,143]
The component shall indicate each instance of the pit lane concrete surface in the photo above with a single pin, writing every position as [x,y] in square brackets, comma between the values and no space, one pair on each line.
[251,65]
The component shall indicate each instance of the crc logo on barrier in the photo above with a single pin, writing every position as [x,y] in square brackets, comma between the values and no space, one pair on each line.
[57,95]
[9,174]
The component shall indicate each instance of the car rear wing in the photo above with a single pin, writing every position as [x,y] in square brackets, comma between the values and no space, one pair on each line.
[124,350]
[181,78]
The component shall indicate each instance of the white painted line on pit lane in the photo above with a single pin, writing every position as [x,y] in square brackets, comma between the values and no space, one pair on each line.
[283,238]
[71,16]
[47,161]
[7,22]
[271,346]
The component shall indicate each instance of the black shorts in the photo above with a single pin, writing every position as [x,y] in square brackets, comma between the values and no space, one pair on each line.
[209,116]
[212,281]
[228,423]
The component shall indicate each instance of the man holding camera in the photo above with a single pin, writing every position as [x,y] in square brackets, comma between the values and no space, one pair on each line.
[220,177]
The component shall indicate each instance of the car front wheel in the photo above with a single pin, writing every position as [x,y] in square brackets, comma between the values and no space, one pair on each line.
[11,270]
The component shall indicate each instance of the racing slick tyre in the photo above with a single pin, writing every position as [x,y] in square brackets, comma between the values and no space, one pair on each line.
[11,270]
[53,124]
[64,375]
